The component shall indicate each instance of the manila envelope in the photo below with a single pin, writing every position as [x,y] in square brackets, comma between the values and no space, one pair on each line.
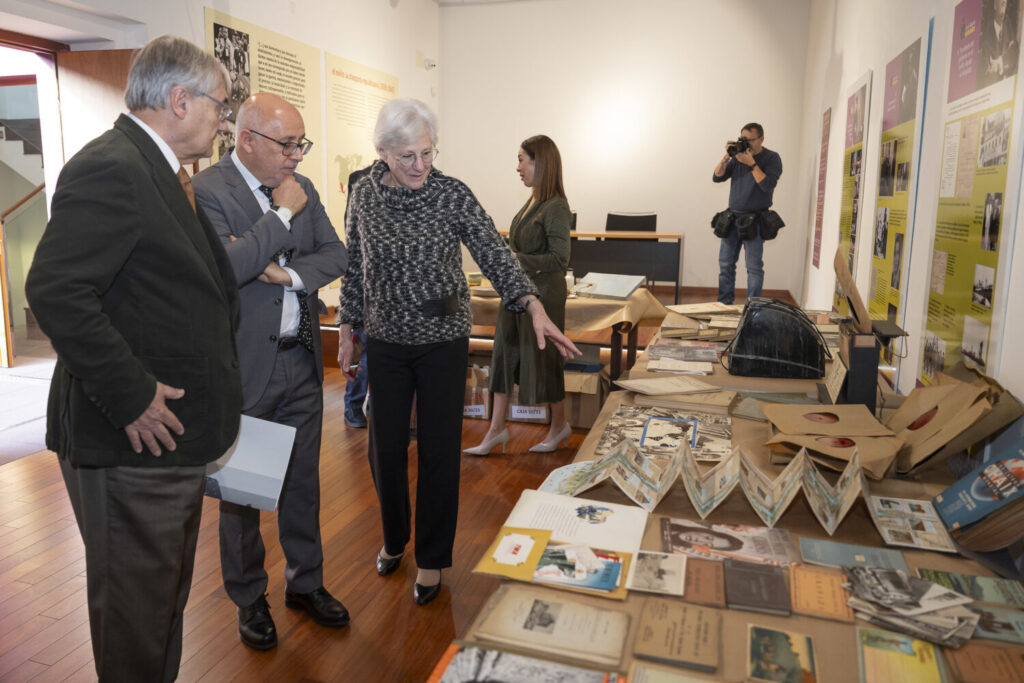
[847,419]
[932,416]
[876,452]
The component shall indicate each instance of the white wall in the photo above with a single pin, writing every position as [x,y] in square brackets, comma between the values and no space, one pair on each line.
[640,98]
[848,37]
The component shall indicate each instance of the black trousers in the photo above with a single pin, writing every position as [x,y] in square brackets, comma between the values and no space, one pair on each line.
[436,375]
[140,526]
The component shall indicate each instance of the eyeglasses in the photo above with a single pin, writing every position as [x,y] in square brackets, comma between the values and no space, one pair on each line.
[223,110]
[427,157]
[288,147]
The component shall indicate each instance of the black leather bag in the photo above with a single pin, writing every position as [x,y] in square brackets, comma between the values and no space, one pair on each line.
[775,339]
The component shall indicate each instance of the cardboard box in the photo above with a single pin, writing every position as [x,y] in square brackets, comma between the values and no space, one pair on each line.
[478,396]
[521,412]
[585,393]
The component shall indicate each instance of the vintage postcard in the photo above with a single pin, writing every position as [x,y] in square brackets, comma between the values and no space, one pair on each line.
[981,588]
[644,476]
[896,658]
[908,522]
[661,430]
[655,572]
[999,624]
[579,566]
[774,655]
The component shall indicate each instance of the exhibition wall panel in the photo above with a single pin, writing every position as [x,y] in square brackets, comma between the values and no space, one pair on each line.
[847,38]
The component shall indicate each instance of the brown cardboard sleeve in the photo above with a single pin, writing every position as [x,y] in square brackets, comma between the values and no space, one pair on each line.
[932,416]
[877,453]
[853,419]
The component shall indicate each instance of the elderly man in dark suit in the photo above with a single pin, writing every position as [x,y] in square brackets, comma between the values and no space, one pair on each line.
[283,248]
[135,291]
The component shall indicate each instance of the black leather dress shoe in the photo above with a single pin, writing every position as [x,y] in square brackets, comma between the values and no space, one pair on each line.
[424,594]
[319,604]
[387,565]
[255,625]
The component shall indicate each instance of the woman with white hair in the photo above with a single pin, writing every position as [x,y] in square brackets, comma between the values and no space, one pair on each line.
[406,287]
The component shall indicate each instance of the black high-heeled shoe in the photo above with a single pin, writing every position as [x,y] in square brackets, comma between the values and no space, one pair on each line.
[424,594]
[388,565]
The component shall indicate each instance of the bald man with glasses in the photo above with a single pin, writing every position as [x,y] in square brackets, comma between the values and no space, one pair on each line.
[283,248]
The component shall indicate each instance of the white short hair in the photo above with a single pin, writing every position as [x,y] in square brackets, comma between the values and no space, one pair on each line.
[401,121]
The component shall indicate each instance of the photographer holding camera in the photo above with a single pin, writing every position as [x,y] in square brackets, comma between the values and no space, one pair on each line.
[748,222]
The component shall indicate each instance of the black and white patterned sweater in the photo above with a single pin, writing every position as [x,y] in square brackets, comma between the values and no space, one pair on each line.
[404,250]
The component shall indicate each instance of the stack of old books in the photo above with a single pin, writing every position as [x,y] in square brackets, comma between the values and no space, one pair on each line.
[984,510]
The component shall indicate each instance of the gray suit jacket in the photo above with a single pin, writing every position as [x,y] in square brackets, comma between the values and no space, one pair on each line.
[319,258]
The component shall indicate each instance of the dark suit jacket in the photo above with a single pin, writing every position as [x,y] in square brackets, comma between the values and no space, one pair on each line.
[132,286]
[319,259]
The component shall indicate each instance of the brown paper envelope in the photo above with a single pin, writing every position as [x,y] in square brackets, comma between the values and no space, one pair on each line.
[853,419]
[876,452]
[952,423]
[919,402]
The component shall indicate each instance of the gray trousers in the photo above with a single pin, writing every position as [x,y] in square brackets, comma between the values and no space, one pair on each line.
[294,397]
[139,526]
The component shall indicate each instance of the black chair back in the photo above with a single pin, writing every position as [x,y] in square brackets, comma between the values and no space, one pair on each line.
[632,222]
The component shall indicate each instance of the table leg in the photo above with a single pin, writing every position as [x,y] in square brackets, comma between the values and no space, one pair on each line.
[632,338]
[616,365]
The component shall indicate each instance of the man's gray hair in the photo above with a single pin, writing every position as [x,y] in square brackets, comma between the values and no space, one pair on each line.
[401,121]
[168,61]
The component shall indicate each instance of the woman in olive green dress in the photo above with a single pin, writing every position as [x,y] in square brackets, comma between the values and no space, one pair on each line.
[539,237]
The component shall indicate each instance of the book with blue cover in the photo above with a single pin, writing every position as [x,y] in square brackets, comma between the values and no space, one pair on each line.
[993,485]
[834,554]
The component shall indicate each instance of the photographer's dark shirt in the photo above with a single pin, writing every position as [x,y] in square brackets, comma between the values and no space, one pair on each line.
[745,194]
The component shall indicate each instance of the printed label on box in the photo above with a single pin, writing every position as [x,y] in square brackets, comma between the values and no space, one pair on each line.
[529,412]
[475,411]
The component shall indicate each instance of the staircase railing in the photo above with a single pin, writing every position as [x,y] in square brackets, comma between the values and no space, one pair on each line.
[7,343]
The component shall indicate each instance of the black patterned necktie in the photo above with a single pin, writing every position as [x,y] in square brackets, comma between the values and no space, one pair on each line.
[305,334]
[269,193]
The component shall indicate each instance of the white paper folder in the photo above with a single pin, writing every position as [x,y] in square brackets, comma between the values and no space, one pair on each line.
[252,471]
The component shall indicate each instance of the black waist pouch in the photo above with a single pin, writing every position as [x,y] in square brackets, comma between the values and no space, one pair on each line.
[775,339]
[722,223]
[771,223]
[746,225]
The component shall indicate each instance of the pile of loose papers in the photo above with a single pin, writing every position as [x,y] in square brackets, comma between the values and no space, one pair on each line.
[892,599]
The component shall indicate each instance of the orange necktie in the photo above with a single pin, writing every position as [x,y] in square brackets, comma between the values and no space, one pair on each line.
[186,184]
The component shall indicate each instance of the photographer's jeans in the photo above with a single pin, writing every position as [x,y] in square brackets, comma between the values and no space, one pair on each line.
[728,255]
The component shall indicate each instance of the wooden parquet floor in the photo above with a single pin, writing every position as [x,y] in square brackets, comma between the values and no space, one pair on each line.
[44,628]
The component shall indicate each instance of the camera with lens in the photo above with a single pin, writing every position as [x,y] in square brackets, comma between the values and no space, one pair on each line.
[738,147]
